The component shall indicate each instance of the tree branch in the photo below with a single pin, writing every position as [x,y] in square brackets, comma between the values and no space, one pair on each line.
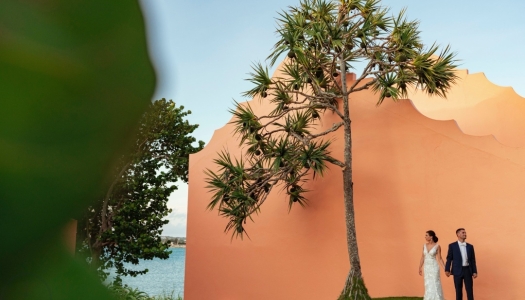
[335,126]
[336,162]
[364,87]
[103,226]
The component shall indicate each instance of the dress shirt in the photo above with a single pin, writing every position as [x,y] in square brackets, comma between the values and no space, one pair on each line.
[463,249]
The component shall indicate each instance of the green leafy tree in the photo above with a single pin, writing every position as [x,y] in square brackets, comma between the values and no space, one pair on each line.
[323,40]
[125,225]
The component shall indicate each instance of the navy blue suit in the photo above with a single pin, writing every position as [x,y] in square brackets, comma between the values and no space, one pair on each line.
[461,273]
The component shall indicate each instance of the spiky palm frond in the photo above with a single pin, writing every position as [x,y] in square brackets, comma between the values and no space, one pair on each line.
[296,195]
[260,78]
[435,75]
[385,85]
[315,156]
[299,122]
[245,122]
[230,175]
[281,98]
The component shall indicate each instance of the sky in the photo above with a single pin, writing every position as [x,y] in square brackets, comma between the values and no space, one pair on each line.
[202,51]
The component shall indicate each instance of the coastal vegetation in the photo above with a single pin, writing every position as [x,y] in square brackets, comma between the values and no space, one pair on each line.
[125,224]
[120,292]
[323,41]
[174,241]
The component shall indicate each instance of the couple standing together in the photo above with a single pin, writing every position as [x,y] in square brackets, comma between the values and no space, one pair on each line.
[460,257]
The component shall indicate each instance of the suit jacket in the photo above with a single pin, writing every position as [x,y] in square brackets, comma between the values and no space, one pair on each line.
[454,259]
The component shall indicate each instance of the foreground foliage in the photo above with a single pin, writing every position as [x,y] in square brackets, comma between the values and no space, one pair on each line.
[323,40]
[74,77]
[128,293]
[124,226]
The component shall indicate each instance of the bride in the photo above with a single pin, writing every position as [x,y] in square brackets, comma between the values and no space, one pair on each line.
[430,262]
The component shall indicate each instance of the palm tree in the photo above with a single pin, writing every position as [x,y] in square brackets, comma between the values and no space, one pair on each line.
[323,40]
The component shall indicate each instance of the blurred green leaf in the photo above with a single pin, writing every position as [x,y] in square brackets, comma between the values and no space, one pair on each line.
[74,79]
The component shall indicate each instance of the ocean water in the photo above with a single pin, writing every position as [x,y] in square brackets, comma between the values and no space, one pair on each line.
[164,276]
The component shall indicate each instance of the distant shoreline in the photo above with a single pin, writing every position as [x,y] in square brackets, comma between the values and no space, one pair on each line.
[174,242]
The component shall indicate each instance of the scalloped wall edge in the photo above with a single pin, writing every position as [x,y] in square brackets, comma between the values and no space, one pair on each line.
[463,88]
[220,132]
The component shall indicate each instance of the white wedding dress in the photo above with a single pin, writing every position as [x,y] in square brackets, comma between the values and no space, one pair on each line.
[433,289]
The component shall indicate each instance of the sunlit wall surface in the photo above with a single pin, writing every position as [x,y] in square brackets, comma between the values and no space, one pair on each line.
[435,164]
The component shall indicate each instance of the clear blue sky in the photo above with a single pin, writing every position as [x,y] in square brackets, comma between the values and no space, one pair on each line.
[203,49]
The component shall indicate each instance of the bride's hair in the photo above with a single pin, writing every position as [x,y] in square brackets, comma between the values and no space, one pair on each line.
[433,235]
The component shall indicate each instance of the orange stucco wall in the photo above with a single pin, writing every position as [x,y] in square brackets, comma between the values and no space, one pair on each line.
[411,174]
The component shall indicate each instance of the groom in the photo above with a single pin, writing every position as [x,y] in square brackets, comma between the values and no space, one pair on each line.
[463,260]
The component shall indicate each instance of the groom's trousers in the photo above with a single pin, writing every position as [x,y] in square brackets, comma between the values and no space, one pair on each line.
[466,277]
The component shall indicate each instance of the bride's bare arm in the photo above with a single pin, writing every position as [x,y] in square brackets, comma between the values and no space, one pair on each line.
[421,264]
[439,258]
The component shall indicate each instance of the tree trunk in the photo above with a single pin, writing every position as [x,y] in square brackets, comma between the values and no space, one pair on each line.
[354,286]
[96,244]
[96,252]
[104,222]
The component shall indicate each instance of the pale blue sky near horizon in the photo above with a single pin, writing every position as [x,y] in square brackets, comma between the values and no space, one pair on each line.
[202,51]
